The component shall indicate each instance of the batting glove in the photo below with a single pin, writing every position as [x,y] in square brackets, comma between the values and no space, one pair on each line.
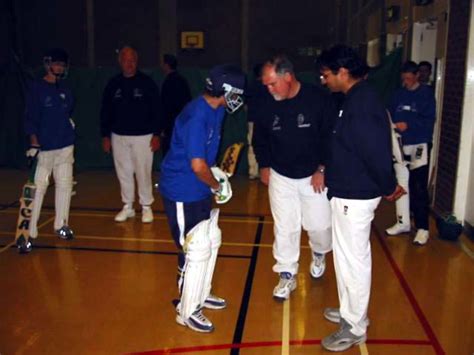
[224,193]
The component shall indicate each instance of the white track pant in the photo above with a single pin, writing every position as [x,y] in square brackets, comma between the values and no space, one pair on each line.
[294,204]
[253,165]
[351,222]
[59,162]
[133,156]
[402,204]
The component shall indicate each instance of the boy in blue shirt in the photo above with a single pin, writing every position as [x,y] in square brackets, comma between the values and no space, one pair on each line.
[413,110]
[48,124]
[187,182]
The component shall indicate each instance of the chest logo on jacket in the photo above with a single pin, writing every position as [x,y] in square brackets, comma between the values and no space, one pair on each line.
[301,121]
[118,94]
[409,108]
[137,92]
[48,101]
[276,123]
[62,96]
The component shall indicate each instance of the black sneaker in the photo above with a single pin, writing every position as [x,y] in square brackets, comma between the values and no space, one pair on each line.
[65,233]
[24,246]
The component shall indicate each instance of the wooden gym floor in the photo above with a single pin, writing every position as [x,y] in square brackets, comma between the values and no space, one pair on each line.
[110,290]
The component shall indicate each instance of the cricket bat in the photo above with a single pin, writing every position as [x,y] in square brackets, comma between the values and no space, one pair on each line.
[231,158]
[27,201]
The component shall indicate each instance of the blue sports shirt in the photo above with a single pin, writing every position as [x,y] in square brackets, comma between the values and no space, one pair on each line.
[196,134]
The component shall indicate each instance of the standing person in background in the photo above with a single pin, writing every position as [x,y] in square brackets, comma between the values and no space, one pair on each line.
[413,110]
[291,141]
[130,127]
[48,123]
[175,94]
[424,72]
[359,172]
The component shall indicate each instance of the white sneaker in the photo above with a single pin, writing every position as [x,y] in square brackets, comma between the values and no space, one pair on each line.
[398,228]
[285,286]
[318,265]
[421,237]
[147,214]
[197,322]
[126,212]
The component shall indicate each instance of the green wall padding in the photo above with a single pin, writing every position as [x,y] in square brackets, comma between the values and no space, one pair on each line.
[88,84]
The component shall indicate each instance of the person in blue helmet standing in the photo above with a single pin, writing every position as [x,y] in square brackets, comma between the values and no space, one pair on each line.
[187,182]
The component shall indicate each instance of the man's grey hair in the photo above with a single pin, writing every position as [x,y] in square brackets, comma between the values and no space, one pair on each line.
[282,64]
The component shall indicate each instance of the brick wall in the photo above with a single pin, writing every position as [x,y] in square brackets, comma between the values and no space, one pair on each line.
[452,105]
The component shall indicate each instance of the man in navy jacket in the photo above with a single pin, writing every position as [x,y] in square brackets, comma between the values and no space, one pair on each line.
[359,172]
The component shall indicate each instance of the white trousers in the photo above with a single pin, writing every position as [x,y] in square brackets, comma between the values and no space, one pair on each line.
[58,162]
[351,222]
[294,204]
[253,165]
[133,157]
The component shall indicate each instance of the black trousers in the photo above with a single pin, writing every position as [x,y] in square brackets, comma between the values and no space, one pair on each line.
[419,197]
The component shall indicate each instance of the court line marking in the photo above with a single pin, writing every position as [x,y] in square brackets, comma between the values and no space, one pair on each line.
[244,304]
[147,240]
[285,338]
[109,250]
[409,293]
[363,349]
[266,344]
[9,245]
[248,220]
[466,249]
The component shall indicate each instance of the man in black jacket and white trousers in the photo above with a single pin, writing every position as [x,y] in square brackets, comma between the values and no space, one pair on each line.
[290,142]
[358,173]
[130,127]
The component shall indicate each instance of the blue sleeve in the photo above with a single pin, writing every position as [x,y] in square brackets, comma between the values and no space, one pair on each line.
[32,110]
[195,138]
[426,113]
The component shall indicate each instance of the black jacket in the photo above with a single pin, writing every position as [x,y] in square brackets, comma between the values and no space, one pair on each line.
[291,136]
[360,163]
[131,106]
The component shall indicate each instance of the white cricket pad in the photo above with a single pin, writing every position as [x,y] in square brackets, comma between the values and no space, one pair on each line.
[402,205]
[198,252]
[215,236]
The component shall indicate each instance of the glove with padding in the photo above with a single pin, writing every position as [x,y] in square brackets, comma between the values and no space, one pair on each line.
[224,193]
[32,153]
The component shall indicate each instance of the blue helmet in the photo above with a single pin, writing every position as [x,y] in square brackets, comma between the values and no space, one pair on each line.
[227,80]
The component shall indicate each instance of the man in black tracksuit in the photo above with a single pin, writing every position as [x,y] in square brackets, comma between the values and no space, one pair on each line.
[130,127]
[290,142]
[359,172]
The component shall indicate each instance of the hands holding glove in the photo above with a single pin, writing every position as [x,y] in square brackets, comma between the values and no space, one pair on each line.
[32,153]
[224,193]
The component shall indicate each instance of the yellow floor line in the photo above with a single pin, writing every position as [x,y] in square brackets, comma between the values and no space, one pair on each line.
[363,349]
[466,249]
[147,240]
[45,222]
[285,338]
[249,220]
[6,247]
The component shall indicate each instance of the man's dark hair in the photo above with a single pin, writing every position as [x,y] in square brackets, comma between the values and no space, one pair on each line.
[171,61]
[342,56]
[425,63]
[281,63]
[409,67]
